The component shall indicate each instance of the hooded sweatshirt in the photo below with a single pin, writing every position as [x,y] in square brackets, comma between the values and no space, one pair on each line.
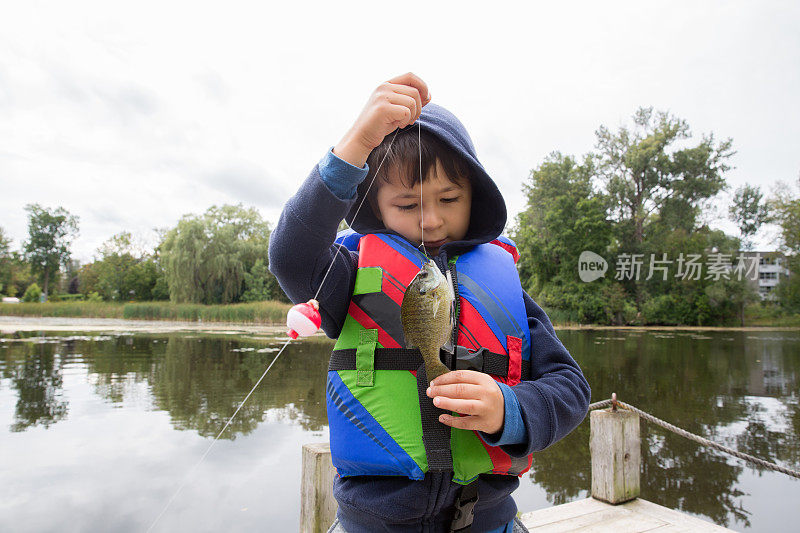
[302,254]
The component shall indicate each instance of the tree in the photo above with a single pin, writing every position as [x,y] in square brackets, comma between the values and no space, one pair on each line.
[32,293]
[648,179]
[125,270]
[748,212]
[15,274]
[88,278]
[50,234]
[160,290]
[206,257]
[261,285]
[564,217]
[785,211]
[5,260]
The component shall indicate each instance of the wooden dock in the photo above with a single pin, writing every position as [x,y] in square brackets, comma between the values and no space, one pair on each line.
[591,515]
[614,507]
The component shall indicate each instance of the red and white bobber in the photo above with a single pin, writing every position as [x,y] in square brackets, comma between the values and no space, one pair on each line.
[303,319]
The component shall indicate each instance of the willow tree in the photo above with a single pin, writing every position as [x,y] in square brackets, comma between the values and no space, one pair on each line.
[206,257]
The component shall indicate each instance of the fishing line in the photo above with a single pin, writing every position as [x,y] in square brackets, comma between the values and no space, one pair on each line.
[388,150]
[421,212]
[189,475]
[230,420]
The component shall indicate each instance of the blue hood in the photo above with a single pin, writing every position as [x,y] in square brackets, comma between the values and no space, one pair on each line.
[488,216]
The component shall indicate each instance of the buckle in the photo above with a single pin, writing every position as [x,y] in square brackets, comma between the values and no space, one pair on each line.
[464,515]
[466,360]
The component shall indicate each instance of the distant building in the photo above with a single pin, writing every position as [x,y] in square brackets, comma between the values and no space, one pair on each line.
[768,269]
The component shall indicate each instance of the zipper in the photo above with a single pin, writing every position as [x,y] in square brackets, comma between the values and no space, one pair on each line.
[456,300]
[444,266]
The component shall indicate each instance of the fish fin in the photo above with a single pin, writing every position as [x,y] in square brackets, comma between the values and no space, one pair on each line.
[435,307]
[450,285]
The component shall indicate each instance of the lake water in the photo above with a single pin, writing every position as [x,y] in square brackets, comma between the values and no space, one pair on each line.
[98,430]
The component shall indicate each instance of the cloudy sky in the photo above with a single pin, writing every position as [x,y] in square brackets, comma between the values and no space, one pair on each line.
[132,115]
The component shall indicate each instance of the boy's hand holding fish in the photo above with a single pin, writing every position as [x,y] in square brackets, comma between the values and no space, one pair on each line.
[474,395]
[394,104]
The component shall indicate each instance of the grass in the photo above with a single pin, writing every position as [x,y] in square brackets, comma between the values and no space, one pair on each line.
[770,315]
[755,315]
[271,312]
[256,312]
[560,317]
[64,309]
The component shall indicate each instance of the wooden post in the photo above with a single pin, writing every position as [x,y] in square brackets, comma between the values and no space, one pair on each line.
[317,505]
[615,447]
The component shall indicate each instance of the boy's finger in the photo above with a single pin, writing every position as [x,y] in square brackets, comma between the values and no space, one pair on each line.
[461,376]
[403,108]
[460,422]
[462,407]
[457,390]
[412,92]
[409,78]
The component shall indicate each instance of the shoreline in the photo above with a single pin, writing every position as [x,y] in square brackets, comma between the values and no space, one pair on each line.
[10,324]
[678,328]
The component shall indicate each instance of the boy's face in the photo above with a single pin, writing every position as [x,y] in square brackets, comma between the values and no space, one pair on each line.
[445,208]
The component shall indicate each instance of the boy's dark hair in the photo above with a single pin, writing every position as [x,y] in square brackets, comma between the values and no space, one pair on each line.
[404,158]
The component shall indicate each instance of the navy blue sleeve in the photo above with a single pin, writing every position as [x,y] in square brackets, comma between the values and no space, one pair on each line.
[556,398]
[301,249]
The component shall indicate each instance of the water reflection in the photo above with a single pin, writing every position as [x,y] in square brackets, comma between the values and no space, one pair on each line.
[202,381]
[199,380]
[37,379]
[738,388]
[709,384]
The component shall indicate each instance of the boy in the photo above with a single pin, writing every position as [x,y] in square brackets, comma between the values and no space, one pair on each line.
[412,456]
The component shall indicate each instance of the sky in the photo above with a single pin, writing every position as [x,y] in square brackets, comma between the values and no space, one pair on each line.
[132,115]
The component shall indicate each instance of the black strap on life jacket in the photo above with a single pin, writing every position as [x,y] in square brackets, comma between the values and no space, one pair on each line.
[435,435]
[481,360]
[465,504]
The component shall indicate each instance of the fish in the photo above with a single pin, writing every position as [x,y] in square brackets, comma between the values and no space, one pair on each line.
[427,315]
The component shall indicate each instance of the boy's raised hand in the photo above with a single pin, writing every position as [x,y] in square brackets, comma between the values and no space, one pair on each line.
[474,395]
[394,104]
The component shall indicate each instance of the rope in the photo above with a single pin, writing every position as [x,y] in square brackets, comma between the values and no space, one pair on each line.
[696,438]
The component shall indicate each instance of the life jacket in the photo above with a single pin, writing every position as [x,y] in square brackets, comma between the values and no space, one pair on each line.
[380,418]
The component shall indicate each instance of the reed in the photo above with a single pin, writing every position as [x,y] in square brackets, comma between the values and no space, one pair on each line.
[64,309]
[256,312]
